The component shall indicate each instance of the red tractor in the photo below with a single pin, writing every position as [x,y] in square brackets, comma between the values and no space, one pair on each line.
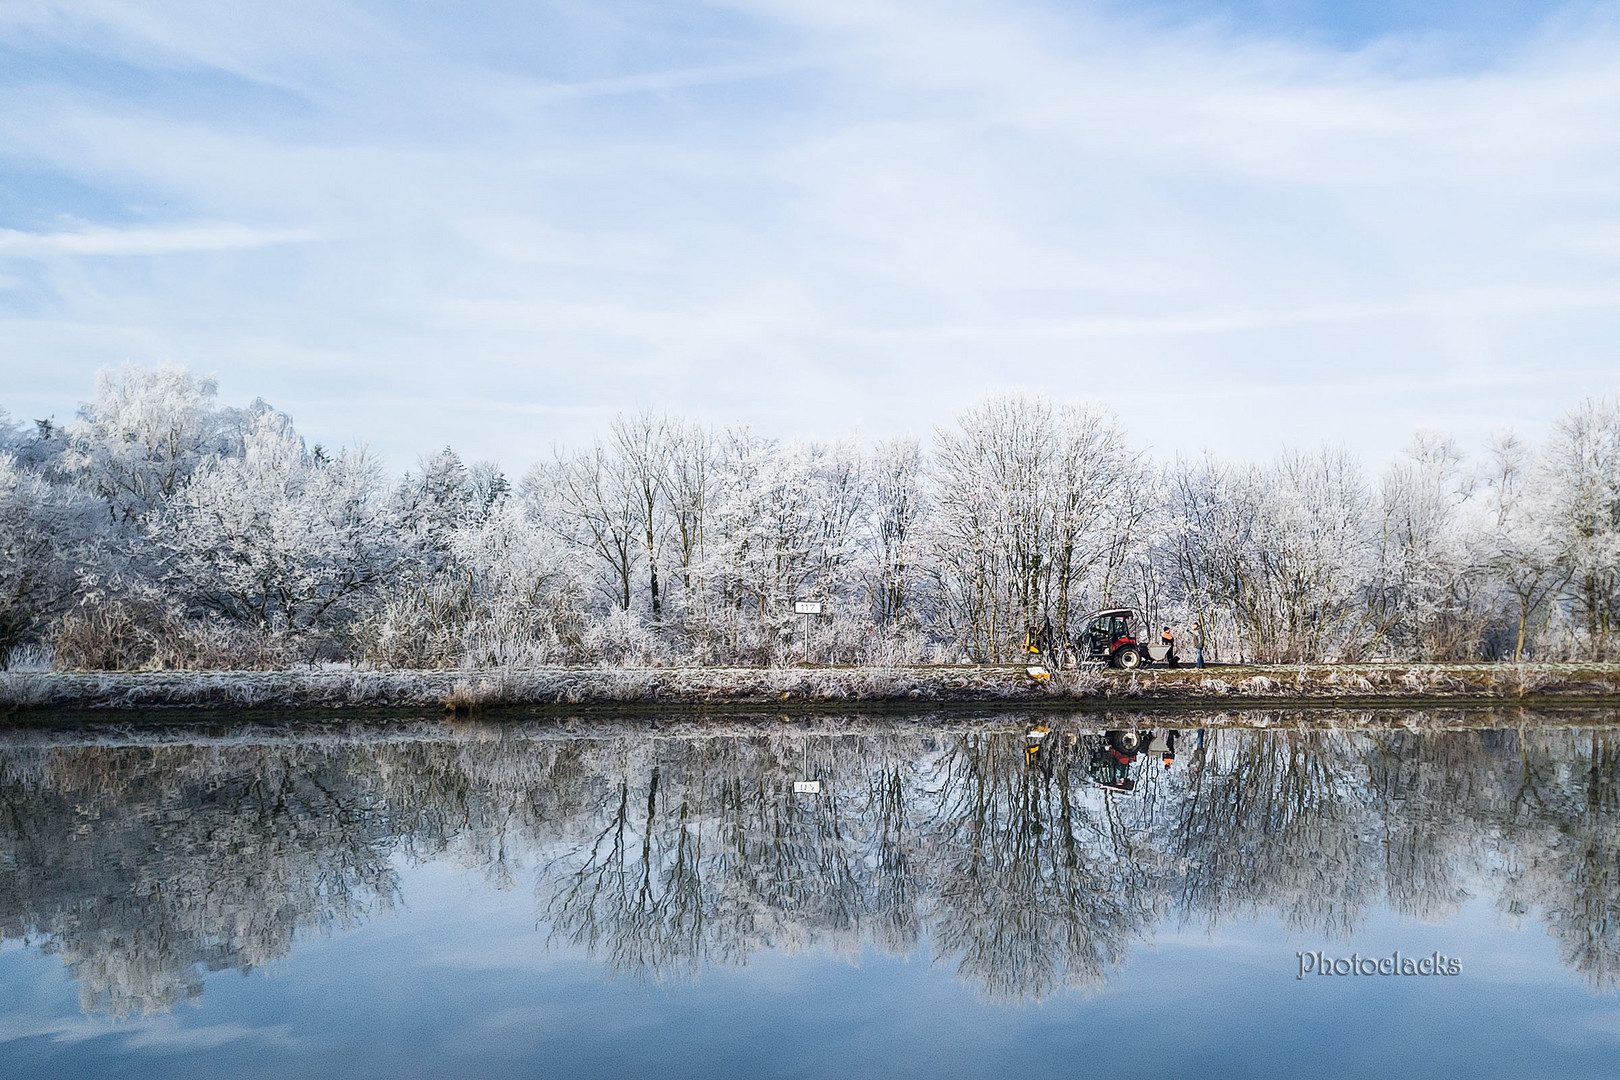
[1110,636]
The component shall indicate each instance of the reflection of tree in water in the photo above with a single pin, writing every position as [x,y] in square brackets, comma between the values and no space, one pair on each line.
[145,866]
[1279,823]
[142,866]
[707,856]
[1561,849]
[1035,890]
[1435,799]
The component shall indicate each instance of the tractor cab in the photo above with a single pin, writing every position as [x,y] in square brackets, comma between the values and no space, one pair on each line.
[1110,637]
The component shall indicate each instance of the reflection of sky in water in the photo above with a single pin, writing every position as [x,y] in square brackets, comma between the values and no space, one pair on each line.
[457,978]
[458,983]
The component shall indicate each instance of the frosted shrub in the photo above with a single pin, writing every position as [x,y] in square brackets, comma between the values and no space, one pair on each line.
[842,639]
[136,632]
[622,639]
[502,596]
[899,646]
[418,629]
[514,629]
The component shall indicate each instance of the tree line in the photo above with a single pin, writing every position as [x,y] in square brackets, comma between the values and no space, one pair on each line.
[161,529]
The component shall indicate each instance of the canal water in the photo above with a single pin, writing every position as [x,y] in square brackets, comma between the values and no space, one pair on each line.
[922,897]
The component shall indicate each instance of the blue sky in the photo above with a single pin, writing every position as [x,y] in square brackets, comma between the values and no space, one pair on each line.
[1241,225]
[1465,29]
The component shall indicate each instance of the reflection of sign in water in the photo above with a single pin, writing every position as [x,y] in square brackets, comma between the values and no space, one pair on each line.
[807,787]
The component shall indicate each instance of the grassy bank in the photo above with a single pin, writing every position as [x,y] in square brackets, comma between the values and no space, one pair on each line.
[812,688]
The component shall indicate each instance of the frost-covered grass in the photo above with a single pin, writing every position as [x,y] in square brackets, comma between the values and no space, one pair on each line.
[466,690]
[801,687]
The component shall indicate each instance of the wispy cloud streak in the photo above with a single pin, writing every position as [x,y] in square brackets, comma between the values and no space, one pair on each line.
[172,240]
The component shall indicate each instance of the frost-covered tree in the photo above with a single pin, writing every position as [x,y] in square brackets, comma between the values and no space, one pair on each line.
[641,459]
[1512,536]
[1201,541]
[782,526]
[1313,553]
[45,529]
[1036,515]
[1583,476]
[893,526]
[1282,552]
[584,499]
[1421,601]
[144,434]
[992,535]
[277,539]
[688,484]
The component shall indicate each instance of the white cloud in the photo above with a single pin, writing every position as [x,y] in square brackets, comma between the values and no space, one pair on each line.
[821,215]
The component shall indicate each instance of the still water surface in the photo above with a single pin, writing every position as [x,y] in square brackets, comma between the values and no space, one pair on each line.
[957,900]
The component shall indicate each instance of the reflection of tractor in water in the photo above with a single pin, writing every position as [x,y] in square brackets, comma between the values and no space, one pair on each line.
[1105,759]
[1110,636]
[1111,762]
[1110,765]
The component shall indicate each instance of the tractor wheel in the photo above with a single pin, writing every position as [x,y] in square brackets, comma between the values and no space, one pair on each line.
[1127,658]
[1126,742]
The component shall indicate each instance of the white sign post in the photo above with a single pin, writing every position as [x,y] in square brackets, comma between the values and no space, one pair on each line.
[807,608]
